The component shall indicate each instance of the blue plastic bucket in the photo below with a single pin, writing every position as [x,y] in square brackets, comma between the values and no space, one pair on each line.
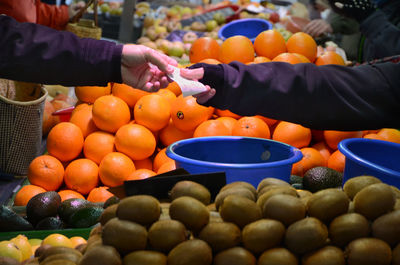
[249,27]
[241,158]
[372,157]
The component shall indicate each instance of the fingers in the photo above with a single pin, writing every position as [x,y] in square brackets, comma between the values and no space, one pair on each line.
[205,96]
[194,74]
[160,60]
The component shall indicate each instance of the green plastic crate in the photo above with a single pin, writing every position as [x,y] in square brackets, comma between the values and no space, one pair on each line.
[41,234]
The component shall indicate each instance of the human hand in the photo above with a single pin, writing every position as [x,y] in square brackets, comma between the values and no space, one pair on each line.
[196,74]
[357,9]
[144,68]
[317,27]
[73,9]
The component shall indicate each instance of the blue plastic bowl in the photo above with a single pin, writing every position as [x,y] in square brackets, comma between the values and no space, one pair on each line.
[249,27]
[241,158]
[376,158]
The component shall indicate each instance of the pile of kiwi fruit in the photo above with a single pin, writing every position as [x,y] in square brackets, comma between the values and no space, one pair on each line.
[273,224]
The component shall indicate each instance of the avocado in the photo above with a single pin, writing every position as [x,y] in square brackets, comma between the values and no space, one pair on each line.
[319,178]
[42,205]
[50,223]
[294,179]
[86,216]
[70,206]
[10,221]
[110,201]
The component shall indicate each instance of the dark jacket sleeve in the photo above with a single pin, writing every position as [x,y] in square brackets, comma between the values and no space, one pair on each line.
[319,97]
[35,53]
[382,37]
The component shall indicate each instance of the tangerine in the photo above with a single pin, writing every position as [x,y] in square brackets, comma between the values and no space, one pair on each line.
[166,167]
[251,127]
[337,161]
[170,134]
[373,136]
[302,58]
[81,175]
[82,117]
[292,134]
[99,194]
[229,122]
[173,86]
[128,94]
[141,174]
[203,48]
[211,128]
[270,43]
[311,158]
[110,113]
[47,172]
[97,145]
[160,159]
[89,94]
[57,240]
[70,194]
[304,44]
[210,61]
[332,138]
[115,168]
[237,48]
[167,94]
[323,148]
[152,111]
[146,163]
[287,58]
[391,135]
[26,193]
[329,57]
[261,59]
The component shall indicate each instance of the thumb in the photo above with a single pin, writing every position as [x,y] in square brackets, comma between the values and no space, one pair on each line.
[160,60]
[195,74]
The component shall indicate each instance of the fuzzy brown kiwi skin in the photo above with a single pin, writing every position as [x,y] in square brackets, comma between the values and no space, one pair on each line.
[387,228]
[348,227]
[368,251]
[278,255]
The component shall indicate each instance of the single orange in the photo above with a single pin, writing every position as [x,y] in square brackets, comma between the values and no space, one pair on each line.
[97,145]
[203,48]
[304,44]
[166,167]
[374,136]
[302,58]
[152,111]
[187,114]
[65,141]
[261,59]
[332,138]
[99,194]
[128,94]
[170,134]
[329,57]
[391,135]
[136,141]
[324,149]
[115,168]
[26,193]
[141,174]
[81,175]
[160,159]
[210,61]
[82,117]
[292,134]
[110,113]
[47,172]
[167,94]
[311,158]
[251,127]
[146,163]
[237,48]
[337,161]
[173,86]
[229,122]
[89,94]
[287,58]
[70,194]
[270,43]
[211,128]
[226,113]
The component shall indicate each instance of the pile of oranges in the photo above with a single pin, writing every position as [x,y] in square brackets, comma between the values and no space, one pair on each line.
[119,133]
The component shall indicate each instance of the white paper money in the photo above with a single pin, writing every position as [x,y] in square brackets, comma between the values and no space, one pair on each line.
[187,86]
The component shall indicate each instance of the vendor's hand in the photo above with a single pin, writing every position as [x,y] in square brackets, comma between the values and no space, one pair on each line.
[357,9]
[144,68]
[73,9]
[317,27]
[196,74]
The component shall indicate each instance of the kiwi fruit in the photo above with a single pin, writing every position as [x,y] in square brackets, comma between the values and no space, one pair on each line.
[235,256]
[241,184]
[368,251]
[396,192]
[387,228]
[328,204]
[93,240]
[397,205]
[109,213]
[374,200]
[211,207]
[193,252]
[145,257]
[354,185]
[142,209]
[328,255]
[9,261]
[111,201]
[96,230]
[41,249]
[262,235]
[30,261]
[239,210]
[303,193]
[81,248]
[271,181]
[284,208]
[59,262]
[238,191]
[396,255]
[63,256]
[278,190]
[101,255]
[190,211]
[164,235]
[348,227]
[221,236]
[306,235]
[124,235]
[191,189]
[58,250]
[287,190]
[276,256]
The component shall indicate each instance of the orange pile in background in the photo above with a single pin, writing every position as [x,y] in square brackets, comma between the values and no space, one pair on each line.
[119,133]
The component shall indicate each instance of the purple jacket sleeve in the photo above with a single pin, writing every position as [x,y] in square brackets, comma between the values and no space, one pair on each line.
[319,97]
[35,53]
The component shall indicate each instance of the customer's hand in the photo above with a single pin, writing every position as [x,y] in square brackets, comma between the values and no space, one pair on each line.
[144,68]
[357,9]
[196,74]
[73,9]
[317,27]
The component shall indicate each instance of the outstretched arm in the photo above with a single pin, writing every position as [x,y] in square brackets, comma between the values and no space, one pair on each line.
[319,97]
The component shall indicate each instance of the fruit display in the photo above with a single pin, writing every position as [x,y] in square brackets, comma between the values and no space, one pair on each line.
[271,224]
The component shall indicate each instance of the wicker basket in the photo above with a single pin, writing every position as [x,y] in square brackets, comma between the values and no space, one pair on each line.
[21,108]
[85,28]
